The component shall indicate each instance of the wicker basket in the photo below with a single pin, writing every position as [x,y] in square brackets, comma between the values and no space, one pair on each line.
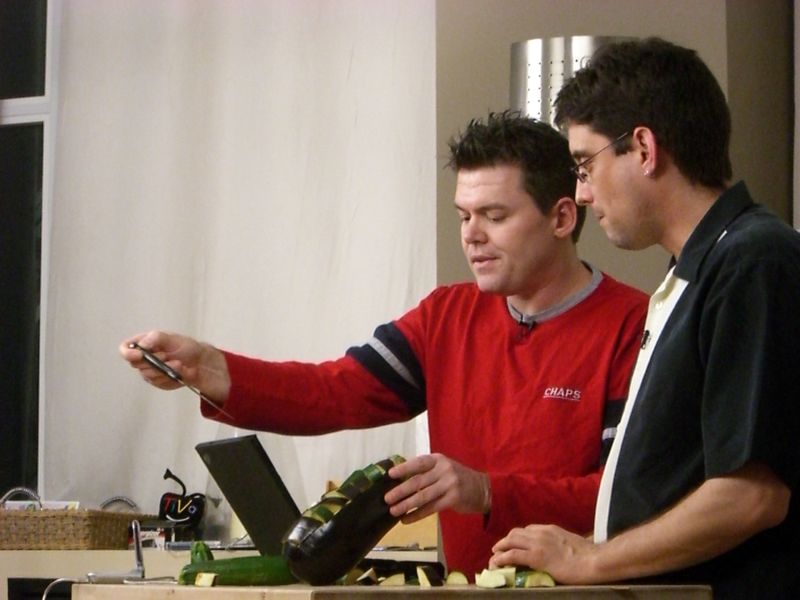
[65,529]
[68,529]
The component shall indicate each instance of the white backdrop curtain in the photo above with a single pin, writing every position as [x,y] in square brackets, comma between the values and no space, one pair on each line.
[257,173]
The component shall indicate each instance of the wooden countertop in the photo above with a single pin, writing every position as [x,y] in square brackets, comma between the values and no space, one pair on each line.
[302,592]
[75,564]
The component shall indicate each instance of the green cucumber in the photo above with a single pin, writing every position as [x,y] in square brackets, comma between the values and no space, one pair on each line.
[199,552]
[331,537]
[241,570]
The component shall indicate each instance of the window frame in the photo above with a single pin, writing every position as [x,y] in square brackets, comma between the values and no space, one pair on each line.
[44,110]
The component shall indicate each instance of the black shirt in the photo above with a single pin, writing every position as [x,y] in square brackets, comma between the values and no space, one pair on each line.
[722,389]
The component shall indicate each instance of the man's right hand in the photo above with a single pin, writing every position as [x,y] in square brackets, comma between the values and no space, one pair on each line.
[198,364]
[434,482]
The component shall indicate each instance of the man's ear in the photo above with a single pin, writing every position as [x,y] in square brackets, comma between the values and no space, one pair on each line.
[644,143]
[565,217]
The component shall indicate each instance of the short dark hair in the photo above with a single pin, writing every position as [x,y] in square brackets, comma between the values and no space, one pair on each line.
[541,152]
[659,85]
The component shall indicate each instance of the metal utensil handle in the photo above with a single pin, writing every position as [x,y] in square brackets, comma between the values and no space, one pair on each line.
[21,490]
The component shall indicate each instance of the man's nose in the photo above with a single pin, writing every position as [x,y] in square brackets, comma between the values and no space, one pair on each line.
[472,232]
[583,194]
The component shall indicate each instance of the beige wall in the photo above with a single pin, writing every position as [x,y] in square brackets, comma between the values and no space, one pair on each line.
[474,40]
[761,97]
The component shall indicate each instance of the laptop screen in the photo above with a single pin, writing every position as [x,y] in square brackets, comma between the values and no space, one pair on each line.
[251,484]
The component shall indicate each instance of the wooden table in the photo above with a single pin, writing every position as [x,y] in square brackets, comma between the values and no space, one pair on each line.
[75,564]
[302,592]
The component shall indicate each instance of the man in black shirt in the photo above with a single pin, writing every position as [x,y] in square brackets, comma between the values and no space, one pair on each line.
[700,484]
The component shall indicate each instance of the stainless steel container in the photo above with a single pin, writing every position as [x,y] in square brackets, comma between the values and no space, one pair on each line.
[539,67]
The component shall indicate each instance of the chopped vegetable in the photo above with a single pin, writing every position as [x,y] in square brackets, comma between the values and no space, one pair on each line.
[369,577]
[528,579]
[509,574]
[396,579]
[241,570]
[199,551]
[428,576]
[351,576]
[490,578]
[331,537]
[456,578]
[205,579]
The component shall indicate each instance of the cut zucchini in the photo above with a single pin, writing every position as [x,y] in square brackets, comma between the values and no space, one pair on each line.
[241,570]
[529,579]
[199,552]
[393,580]
[351,576]
[331,537]
[205,579]
[490,578]
[456,578]
[509,573]
[368,577]
[428,576]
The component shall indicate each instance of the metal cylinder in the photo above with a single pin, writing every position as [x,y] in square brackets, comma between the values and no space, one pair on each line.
[539,67]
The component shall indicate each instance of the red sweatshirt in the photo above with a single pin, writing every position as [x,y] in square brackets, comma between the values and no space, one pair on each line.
[534,404]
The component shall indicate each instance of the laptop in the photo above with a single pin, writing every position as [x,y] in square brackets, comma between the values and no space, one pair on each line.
[249,481]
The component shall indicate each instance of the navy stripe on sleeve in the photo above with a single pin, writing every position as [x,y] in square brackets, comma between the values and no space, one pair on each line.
[390,359]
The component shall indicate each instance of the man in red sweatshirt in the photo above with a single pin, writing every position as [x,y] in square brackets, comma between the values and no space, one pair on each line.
[523,373]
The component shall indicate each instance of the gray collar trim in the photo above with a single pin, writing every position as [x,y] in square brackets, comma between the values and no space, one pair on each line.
[561,307]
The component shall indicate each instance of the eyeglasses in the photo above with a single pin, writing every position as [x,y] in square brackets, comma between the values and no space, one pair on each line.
[580,169]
